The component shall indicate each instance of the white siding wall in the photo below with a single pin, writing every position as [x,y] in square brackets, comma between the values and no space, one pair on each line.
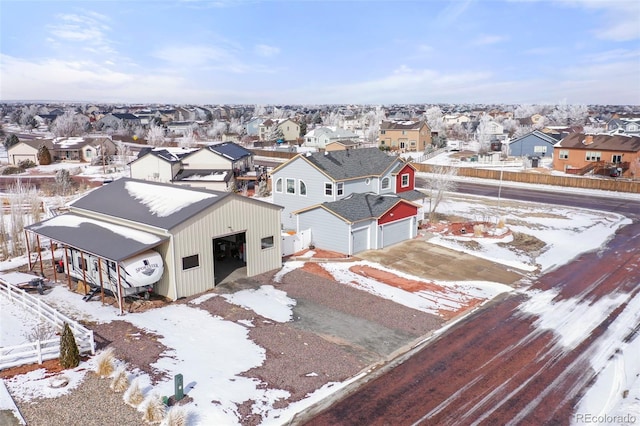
[205,159]
[149,166]
[22,151]
[328,232]
[299,169]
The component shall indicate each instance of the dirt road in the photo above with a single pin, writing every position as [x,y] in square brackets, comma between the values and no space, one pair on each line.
[497,367]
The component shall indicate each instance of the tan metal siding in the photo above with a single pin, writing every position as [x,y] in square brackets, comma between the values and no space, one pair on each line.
[231,216]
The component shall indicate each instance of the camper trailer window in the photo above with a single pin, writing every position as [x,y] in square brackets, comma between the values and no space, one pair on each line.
[81,263]
[95,266]
[190,262]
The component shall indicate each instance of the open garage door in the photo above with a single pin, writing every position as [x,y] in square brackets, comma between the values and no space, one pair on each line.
[396,232]
[229,254]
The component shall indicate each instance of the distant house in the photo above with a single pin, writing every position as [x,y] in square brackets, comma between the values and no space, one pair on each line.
[27,150]
[82,149]
[215,167]
[341,145]
[405,135]
[253,126]
[533,144]
[116,121]
[629,126]
[289,129]
[320,137]
[603,154]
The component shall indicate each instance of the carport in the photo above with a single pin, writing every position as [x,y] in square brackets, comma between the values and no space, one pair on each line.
[108,242]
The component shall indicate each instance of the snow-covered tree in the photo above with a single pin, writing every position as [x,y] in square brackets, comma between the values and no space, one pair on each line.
[260,111]
[435,119]
[67,125]
[188,139]
[11,140]
[216,129]
[156,135]
[483,132]
[569,115]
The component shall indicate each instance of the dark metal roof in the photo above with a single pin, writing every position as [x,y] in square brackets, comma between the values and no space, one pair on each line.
[352,163]
[151,203]
[230,150]
[109,241]
[357,207]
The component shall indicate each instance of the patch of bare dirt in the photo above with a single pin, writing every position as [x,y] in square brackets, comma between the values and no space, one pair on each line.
[525,243]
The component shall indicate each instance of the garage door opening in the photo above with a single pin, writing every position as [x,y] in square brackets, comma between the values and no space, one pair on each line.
[229,254]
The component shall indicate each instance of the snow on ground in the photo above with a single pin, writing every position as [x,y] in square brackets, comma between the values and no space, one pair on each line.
[558,227]
[233,352]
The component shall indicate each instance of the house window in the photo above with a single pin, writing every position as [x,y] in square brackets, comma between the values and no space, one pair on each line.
[593,156]
[367,181]
[564,154]
[328,188]
[190,262]
[279,185]
[89,154]
[616,158]
[291,186]
[382,132]
[266,243]
[404,181]
[386,183]
[303,188]
[339,188]
[404,132]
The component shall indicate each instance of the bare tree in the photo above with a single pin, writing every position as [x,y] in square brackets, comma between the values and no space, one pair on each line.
[440,182]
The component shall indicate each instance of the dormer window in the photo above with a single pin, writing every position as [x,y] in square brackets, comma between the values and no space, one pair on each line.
[386,183]
[328,189]
[340,188]
[404,180]
[279,185]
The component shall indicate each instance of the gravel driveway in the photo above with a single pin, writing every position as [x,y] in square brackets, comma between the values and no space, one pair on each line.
[337,331]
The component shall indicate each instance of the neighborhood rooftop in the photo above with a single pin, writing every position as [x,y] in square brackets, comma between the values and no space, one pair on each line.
[347,165]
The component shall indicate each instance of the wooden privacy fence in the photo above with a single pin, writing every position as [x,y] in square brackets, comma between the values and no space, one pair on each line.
[40,350]
[618,185]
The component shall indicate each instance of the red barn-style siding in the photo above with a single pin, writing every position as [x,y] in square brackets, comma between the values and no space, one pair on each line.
[401,210]
[406,170]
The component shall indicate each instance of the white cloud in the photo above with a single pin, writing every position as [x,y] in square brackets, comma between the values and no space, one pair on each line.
[266,51]
[620,18]
[487,39]
[88,30]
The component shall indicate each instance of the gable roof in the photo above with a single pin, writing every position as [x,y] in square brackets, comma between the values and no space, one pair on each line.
[125,116]
[402,125]
[33,143]
[538,134]
[172,155]
[357,207]
[349,164]
[106,240]
[624,143]
[229,150]
[163,206]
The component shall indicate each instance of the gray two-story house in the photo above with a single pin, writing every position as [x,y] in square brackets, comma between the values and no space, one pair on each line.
[351,200]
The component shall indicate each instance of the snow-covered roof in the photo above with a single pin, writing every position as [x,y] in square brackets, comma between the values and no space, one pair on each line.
[104,239]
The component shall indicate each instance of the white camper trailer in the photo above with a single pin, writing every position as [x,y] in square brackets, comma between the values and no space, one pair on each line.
[138,273]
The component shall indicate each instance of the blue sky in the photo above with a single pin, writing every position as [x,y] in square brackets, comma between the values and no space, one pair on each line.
[319,52]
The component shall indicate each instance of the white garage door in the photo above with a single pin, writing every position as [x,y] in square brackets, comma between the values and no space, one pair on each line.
[360,240]
[396,232]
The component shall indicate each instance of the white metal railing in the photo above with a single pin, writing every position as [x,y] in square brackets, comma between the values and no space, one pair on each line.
[40,350]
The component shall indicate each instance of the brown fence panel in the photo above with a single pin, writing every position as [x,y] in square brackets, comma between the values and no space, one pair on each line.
[273,154]
[617,185]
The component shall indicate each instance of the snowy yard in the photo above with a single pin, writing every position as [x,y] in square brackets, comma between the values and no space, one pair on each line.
[233,352]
